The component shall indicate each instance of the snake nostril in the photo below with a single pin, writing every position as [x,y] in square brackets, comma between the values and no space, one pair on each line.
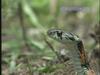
[49,32]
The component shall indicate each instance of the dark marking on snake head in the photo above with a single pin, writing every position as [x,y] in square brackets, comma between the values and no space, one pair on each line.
[71,38]
[59,34]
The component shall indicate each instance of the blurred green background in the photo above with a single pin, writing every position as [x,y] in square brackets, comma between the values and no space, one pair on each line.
[25,24]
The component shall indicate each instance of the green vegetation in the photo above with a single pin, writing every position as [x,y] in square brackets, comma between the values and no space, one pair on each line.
[24,30]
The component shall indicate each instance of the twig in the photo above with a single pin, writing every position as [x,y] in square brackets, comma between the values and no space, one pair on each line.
[21,19]
[58,56]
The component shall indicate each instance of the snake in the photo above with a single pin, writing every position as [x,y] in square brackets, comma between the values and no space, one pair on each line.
[75,46]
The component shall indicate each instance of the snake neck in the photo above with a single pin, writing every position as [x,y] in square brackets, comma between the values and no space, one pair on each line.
[83,56]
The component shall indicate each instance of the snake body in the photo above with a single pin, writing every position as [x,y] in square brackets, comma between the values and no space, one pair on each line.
[75,47]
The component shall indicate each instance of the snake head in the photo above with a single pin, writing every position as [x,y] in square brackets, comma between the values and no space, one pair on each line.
[61,36]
